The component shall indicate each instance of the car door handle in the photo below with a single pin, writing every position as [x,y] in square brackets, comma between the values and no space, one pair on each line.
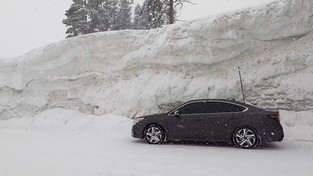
[200,119]
[234,118]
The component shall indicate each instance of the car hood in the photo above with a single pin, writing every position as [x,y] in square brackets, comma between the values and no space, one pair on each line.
[153,115]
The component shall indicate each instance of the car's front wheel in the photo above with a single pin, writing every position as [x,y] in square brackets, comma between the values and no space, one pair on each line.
[245,137]
[154,134]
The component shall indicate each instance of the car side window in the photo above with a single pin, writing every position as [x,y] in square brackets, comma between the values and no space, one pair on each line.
[235,108]
[223,107]
[210,107]
[193,108]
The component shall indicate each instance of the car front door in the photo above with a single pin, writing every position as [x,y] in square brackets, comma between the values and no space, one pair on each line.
[189,123]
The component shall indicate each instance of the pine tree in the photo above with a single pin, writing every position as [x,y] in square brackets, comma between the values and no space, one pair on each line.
[124,15]
[138,19]
[144,15]
[152,14]
[104,15]
[93,15]
[76,20]
[171,13]
[159,12]
[112,10]
[94,19]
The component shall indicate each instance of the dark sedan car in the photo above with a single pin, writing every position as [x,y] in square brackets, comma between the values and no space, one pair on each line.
[211,120]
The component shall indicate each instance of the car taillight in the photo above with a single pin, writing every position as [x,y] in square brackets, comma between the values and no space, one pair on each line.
[275,116]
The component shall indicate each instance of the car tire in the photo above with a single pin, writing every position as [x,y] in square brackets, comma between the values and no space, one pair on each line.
[154,134]
[245,138]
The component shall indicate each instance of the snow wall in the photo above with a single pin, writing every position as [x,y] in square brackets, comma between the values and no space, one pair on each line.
[138,72]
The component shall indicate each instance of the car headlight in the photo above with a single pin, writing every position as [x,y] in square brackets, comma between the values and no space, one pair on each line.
[137,120]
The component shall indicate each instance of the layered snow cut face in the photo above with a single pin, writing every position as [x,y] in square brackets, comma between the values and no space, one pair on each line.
[139,72]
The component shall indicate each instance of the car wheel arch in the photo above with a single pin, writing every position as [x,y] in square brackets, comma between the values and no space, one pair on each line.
[243,126]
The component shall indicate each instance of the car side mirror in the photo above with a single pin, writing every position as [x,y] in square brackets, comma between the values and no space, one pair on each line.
[176,113]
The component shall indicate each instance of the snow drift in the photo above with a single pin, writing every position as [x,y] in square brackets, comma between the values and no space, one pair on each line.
[137,72]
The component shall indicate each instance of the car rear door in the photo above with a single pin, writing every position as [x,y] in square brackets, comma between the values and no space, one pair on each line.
[221,119]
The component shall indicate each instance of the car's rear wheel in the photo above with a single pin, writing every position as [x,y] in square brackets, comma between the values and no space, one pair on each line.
[154,134]
[246,138]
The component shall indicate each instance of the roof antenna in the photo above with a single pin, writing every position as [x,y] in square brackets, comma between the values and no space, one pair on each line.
[243,93]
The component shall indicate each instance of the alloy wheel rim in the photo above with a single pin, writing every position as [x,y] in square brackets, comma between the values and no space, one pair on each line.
[154,135]
[245,138]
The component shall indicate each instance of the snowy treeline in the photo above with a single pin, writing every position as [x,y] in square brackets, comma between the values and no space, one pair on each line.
[89,16]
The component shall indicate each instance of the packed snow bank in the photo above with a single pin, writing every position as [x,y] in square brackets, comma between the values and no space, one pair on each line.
[69,120]
[137,72]
[298,125]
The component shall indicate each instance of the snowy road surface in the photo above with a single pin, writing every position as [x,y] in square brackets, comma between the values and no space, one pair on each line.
[63,143]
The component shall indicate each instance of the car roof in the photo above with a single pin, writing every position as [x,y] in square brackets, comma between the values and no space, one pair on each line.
[220,100]
[248,106]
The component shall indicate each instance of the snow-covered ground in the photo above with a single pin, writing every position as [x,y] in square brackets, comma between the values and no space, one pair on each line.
[61,142]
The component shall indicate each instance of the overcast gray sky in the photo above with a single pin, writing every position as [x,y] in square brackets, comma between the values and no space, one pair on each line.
[28,24]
